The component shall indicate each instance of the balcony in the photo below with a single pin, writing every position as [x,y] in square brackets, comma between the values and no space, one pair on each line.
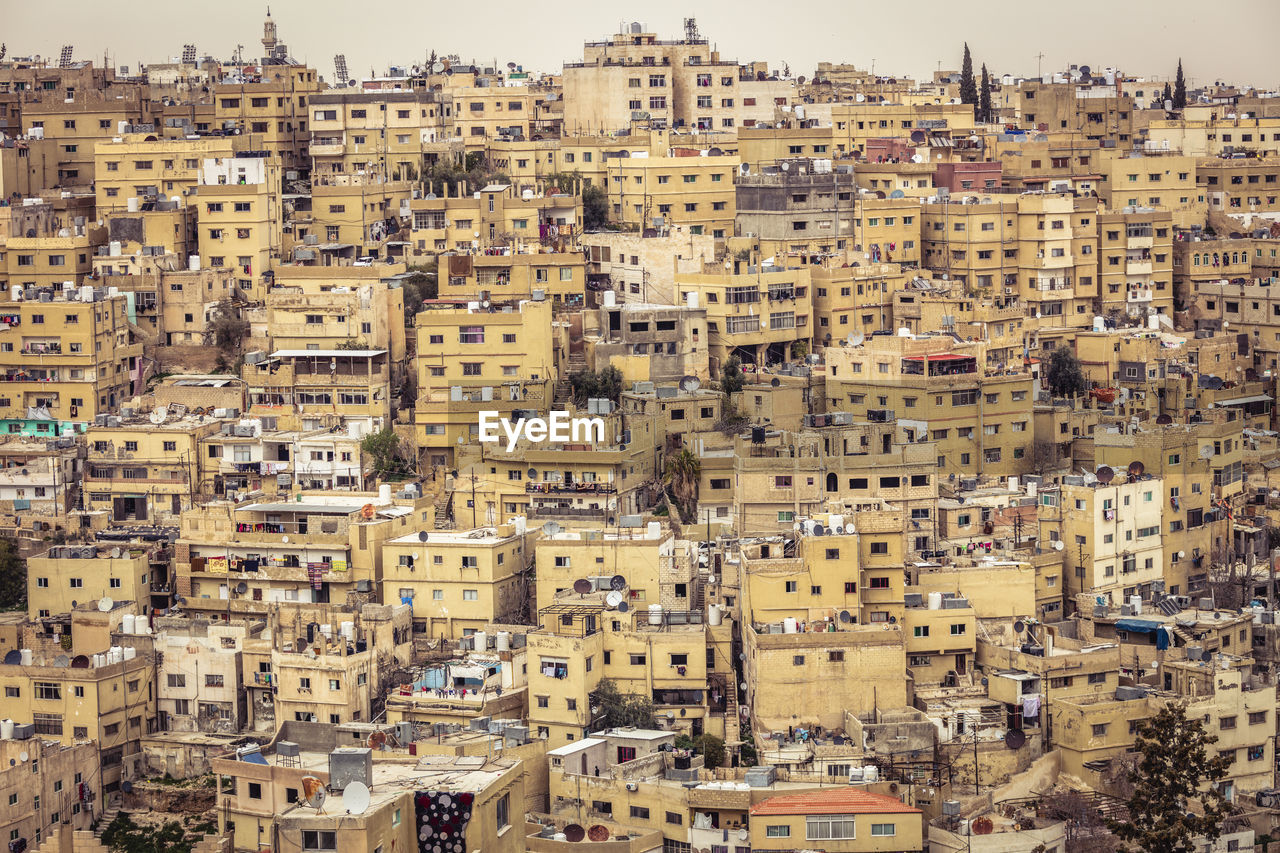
[1140,266]
[42,348]
[594,513]
[1138,295]
[326,149]
[571,488]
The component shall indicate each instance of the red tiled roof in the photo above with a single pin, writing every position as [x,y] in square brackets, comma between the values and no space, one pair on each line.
[841,801]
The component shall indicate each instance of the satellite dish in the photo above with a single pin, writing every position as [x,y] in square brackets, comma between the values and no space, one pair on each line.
[311,653]
[437,67]
[1015,739]
[126,786]
[897,194]
[1164,420]
[617,582]
[1058,545]
[1206,452]
[800,79]
[775,382]
[80,662]
[1019,626]
[158,415]
[13,657]
[598,833]
[313,792]
[690,384]
[614,598]
[242,588]
[574,832]
[551,528]
[1136,468]
[983,825]
[917,136]
[623,607]
[423,536]
[819,530]
[1084,71]
[23,756]
[846,616]
[582,586]
[62,661]
[105,604]
[356,796]
[1106,474]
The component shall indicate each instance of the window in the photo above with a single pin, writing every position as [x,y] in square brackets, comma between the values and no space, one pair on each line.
[777,831]
[319,839]
[957,630]
[835,826]
[640,812]
[502,811]
[211,680]
[1099,729]
[48,690]
[883,829]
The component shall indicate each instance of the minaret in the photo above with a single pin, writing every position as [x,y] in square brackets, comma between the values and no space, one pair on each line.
[268,35]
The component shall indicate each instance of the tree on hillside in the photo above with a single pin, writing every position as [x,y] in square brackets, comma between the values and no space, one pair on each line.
[595,208]
[984,97]
[384,447]
[1176,804]
[587,384]
[1064,374]
[681,477]
[226,329]
[1179,89]
[610,708]
[13,576]
[731,375]
[968,86]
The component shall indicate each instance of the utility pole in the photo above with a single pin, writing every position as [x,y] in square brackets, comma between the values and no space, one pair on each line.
[1039,63]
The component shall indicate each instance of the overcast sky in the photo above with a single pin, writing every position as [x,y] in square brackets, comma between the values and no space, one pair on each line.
[1228,40]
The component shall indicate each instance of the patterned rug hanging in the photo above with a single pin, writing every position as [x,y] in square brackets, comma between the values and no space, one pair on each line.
[442,820]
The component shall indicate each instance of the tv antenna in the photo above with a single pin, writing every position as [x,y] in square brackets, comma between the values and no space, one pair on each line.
[691,29]
[188,54]
[64,61]
[340,68]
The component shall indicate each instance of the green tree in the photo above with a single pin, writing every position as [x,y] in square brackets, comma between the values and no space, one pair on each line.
[611,708]
[1168,92]
[984,97]
[681,478]
[968,86]
[711,749]
[605,383]
[384,447]
[731,375]
[1179,89]
[1064,374]
[422,283]
[1173,772]
[595,208]
[13,576]
[226,329]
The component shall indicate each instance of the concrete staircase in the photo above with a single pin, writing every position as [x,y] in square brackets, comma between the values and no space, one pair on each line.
[576,363]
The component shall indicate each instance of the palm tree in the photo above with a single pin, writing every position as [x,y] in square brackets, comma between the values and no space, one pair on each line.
[683,471]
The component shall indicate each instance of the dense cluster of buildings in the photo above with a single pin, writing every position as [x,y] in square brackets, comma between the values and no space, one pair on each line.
[937,451]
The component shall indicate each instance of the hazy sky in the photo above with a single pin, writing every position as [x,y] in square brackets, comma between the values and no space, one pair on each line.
[1229,40]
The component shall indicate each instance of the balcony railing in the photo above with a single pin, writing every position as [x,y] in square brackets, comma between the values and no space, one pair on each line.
[571,488]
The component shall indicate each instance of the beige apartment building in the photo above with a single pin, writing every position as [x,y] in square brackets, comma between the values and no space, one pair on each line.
[68,357]
[380,132]
[1135,262]
[764,315]
[312,388]
[240,218]
[137,167]
[332,307]
[64,577]
[505,215]
[273,106]
[457,582]
[695,193]
[1167,181]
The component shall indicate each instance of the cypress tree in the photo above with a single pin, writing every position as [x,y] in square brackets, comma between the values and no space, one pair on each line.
[984,97]
[968,86]
[1179,89]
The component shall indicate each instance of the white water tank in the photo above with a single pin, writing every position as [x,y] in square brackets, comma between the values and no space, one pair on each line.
[130,653]
[193,263]
[114,248]
[132,204]
[6,729]
[790,625]
[655,529]
[1135,601]
[27,657]
[129,624]
[482,641]
[1099,324]
[522,524]
[142,625]
[610,298]
[326,629]
[503,641]
[15,293]
[691,299]
[1013,484]
[836,523]
[655,614]
[99,661]
[713,614]
[348,630]
[935,601]
[384,493]
[870,773]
